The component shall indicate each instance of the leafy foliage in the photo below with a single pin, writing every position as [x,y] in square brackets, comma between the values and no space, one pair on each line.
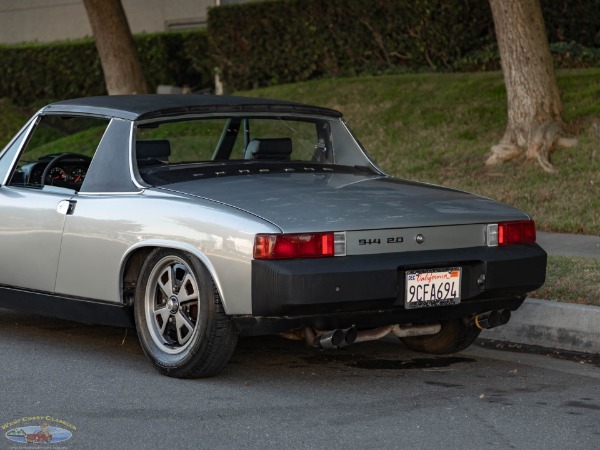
[573,21]
[574,55]
[35,74]
[259,43]
[273,42]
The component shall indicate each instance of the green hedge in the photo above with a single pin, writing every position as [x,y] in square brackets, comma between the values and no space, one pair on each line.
[573,21]
[285,41]
[272,42]
[176,58]
[34,74]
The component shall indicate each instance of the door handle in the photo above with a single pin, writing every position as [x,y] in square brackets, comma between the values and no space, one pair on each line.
[66,207]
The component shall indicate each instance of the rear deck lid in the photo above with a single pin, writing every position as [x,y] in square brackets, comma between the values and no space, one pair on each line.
[305,202]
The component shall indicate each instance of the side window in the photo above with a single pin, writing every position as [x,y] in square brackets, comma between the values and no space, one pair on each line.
[59,152]
[175,142]
[7,157]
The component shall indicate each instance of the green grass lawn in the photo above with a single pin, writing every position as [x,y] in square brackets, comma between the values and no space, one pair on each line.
[571,279]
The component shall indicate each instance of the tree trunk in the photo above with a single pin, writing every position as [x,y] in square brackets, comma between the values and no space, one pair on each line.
[535,126]
[118,55]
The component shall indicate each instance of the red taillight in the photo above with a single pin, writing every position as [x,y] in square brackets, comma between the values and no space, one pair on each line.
[286,246]
[516,232]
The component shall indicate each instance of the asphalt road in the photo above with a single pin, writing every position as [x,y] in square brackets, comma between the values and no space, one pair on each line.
[280,394]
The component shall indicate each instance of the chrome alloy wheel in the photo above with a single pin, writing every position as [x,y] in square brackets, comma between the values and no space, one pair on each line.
[172,303]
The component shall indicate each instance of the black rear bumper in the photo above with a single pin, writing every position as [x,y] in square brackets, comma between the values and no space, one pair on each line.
[344,289]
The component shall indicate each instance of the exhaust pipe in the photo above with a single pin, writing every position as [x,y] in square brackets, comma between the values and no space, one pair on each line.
[487,320]
[330,339]
[416,330]
[341,338]
[491,319]
[505,317]
[350,335]
[398,331]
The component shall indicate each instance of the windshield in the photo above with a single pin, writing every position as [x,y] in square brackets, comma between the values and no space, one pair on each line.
[168,151]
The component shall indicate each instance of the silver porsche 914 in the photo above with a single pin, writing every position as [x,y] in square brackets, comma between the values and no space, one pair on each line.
[198,219]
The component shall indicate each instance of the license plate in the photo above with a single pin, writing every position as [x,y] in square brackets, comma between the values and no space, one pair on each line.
[432,287]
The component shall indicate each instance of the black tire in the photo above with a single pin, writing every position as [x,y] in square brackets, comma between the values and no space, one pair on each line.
[455,335]
[180,320]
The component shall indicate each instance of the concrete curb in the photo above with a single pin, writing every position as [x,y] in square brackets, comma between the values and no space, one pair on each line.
[549,324]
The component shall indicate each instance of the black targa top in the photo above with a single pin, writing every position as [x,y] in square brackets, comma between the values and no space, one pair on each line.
[110,169]
[150,106]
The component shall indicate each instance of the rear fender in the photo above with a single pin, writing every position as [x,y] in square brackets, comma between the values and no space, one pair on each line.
[176,246]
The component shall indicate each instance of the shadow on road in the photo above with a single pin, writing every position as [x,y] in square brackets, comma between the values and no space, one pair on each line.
[119,346]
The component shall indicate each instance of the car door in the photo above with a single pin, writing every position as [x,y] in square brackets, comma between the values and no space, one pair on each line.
[31,226]
[34,202]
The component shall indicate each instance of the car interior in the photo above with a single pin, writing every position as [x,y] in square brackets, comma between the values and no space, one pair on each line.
[58,152]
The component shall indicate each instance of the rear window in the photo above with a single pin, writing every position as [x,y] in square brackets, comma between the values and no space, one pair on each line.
[180,150]
[233,138]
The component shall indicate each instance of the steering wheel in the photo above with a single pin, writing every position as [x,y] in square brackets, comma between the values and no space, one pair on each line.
[58,159]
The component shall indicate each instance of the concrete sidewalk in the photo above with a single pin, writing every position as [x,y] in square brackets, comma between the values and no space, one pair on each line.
[556,325]
[561,244]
